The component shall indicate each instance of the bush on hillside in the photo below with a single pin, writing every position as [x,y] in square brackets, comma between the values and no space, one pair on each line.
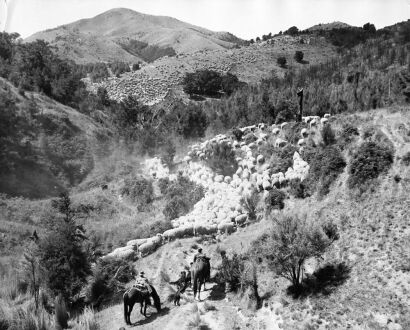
[406,159]
[298,189]
[282,159]
[291,242]
[328,135]
[369,161]
[63,255]
[347,135]
[139,190]
[222,159]
[325,166]
[107,281]
[237,133]
[250,204]
[281,61]
[299,56]
[275,200]
[286,110]
[180,195]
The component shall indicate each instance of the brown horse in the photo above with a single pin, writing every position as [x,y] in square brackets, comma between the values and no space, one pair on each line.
[200,272]
[135,295]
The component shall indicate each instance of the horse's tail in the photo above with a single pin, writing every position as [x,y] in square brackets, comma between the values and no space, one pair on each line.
[155,296]
[194,280]
[125,301]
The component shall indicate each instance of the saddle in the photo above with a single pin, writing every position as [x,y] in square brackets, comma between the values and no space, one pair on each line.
[141,288]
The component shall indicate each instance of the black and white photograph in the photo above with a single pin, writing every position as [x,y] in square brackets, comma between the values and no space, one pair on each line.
[205,164]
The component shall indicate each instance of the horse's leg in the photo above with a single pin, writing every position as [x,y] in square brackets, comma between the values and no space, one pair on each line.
[199,290]
[142,305]
[145,309]
[130,307]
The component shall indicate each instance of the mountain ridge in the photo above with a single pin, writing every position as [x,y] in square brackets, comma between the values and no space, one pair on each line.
[102,37]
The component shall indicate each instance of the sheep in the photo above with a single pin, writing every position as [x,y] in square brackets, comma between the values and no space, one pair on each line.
[313,122]
[219,178]
[301,142]
[260,159]
[280,143]
[241,219]
[304,133]
[283,125]
[266,185]
[275,131]
[327,115]
[126,252]
[137,242]
[226,227]
[228,179]
[147,248]
[324,121]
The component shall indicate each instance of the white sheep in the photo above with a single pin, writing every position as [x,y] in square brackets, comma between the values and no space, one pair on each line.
[327,115]
[283,125]
[304,133]
[275,131]
[324,121]
[301,142]
[260,159]
[280,143]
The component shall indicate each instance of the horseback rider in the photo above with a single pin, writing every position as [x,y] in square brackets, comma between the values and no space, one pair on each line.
[182,282]
[200,255]
[142,282]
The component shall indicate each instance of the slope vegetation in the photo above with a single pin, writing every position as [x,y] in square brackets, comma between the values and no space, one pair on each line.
[125,35]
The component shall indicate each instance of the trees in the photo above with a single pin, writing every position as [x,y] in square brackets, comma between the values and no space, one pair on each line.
[292,31]
[63,257]
[281,61]
[291,242]
[299,56]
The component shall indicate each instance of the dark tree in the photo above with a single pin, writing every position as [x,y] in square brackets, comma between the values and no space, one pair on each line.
[299,56]
[281,61]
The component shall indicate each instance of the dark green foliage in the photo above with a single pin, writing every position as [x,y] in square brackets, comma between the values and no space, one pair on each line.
[119,68]
[139,190]
[292,132]
[298,188]
[347,135]
[286,110]
[325,166]
[180,195]
[250,204]
[237,133]
[61,313]
[231,271]
[149,53]
[275,200]
[282,159]
[222,158]
[168,153]
[189,121]
[63,257]
[369,161]
[291,242]
[163,184]
[292,31]
[98,72]
[328,135]
[406,159]
[108,280]
[299,56]
[281,61]
[210,83]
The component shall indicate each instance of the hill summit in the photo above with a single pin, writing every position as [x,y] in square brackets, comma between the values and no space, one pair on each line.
[125,35]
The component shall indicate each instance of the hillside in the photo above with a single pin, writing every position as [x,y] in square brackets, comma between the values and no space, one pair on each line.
[250,64]
[54,146]
[372,292]
[329,26]
[125,35]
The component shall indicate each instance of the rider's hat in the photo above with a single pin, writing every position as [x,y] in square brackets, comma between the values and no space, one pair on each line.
[200,250]
[142,273]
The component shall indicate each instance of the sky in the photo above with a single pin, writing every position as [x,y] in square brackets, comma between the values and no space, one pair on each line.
[244,18]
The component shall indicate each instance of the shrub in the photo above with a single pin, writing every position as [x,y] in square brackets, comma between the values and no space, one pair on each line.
[325,167]
[237,133]
[347,135]
[139,190]
[291,242]
[368,162]
[281,61]
[299,56]
[282,159]
[222,158]
[180,195]
[61,314]
[250,204]
[406,159]
[275,200]
[328,135]
[109,277]
[297,188]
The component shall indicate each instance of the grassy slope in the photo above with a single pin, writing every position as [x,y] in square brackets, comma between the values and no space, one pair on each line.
[375,232]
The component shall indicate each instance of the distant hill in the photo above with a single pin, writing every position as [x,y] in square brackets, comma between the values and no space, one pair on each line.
[329,26]
[125,35]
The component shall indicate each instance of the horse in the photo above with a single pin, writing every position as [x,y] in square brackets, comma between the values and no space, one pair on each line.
[135,295]
[200,272]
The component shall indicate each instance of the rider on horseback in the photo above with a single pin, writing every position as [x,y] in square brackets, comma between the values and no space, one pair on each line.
[200,255]
[142,282]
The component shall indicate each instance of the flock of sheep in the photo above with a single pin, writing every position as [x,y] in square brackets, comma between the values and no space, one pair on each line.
[220,211]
